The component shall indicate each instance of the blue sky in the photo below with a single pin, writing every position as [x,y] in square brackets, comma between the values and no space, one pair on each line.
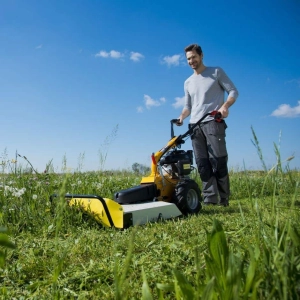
[88,80]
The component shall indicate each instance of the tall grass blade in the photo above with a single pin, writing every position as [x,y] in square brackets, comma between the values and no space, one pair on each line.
[209,290]
[251,281]
[104,147]
[259,151]
[120,277]
[183,289]
[146,292]
[218,253]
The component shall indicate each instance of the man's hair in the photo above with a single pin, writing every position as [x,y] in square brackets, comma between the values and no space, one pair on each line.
[192,47]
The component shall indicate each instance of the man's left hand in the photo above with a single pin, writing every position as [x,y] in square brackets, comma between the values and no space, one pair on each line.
[224,111]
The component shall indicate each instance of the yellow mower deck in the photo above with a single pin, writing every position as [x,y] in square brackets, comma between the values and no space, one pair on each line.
[111,214]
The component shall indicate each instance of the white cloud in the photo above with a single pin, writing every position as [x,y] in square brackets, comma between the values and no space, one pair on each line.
[112,54]
[286,111]
[179,102]
[135,56]
[172,60]
[102,54]
[115,54]
[140,109]
[149,102]
[39,46]
[297,81]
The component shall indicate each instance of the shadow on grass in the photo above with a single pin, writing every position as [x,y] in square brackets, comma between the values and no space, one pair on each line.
[297,203]
[221,210]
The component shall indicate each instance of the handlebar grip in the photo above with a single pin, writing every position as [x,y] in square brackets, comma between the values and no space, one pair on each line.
[175,121]
[218,116]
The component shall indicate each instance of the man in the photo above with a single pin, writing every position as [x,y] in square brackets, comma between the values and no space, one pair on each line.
[204,92]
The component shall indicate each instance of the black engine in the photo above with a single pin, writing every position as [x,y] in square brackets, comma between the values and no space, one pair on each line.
[180,162]
[177,163]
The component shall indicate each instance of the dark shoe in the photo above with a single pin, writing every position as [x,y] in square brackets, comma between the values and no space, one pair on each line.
[209,203]
[224,202]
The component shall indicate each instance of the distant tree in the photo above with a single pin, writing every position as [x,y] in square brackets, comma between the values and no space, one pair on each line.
[135,168]
[140,169]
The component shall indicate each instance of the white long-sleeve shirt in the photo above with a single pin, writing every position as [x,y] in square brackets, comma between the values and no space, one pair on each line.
[205,92]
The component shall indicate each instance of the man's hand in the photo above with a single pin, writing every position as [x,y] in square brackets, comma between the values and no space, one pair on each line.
[224,111]
[179,122]
[184,114]
[224,108]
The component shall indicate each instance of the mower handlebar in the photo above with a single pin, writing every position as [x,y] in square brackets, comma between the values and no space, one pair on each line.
[175,121]
[216,114]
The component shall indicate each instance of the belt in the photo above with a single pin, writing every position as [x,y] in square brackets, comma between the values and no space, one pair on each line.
[201,124]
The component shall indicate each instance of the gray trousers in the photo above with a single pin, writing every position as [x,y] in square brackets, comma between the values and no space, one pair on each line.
[208,140]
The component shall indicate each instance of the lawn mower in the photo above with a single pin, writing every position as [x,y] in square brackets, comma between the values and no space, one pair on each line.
[168,192]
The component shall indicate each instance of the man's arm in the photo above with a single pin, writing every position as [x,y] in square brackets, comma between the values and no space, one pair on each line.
[184,114]
[224,108]
[230,88]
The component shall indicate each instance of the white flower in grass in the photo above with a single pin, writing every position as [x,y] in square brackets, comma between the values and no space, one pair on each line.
[18,193]
[7,189]
[34,197]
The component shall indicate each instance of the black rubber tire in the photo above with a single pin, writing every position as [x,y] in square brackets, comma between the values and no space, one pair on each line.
[187,197]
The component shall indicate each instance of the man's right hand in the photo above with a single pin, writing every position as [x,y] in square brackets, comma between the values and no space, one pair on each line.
[179,122]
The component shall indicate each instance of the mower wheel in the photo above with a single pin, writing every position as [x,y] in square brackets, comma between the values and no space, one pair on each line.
[187,197]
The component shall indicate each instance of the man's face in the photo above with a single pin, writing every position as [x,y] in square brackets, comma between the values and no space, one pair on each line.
[194,59]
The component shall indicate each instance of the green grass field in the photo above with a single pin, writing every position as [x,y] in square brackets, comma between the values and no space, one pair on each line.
[249,250]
